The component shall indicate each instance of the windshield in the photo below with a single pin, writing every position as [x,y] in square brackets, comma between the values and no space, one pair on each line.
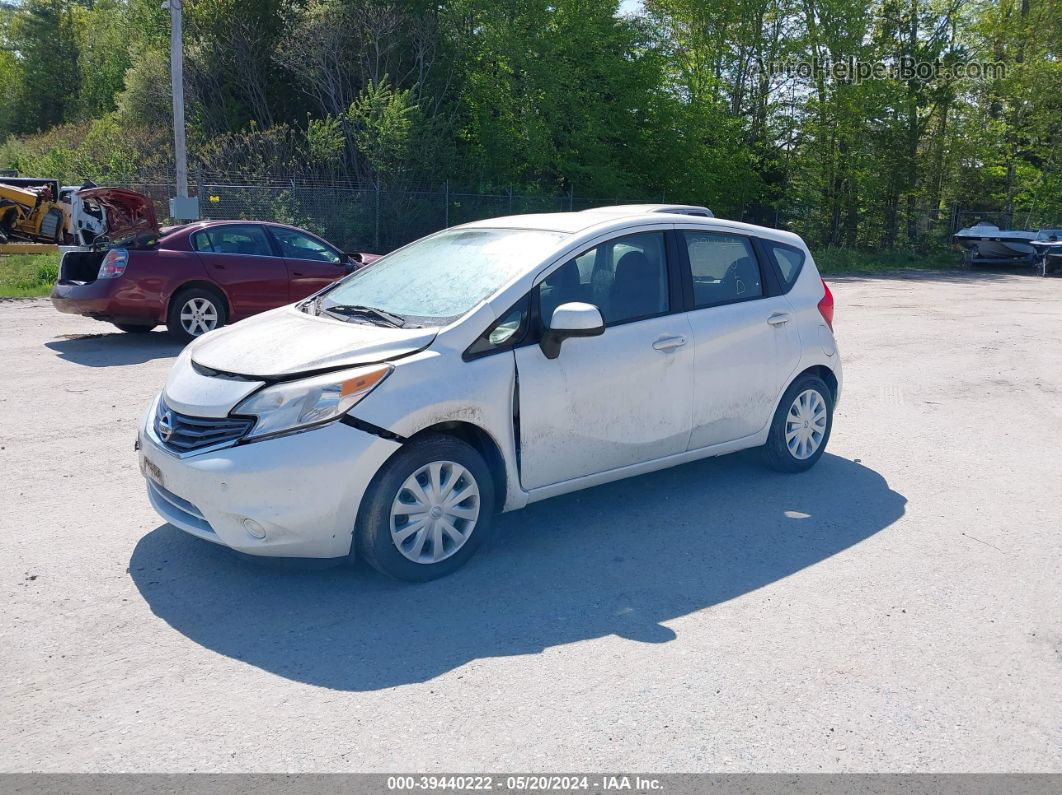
[1049,235]
[443,276]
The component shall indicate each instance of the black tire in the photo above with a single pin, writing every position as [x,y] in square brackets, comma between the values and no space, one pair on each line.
[776,453]
[177,304]
[130,328]
[372,533]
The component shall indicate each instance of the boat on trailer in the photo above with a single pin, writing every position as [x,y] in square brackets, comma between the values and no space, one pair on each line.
[987,243]
[1048,246]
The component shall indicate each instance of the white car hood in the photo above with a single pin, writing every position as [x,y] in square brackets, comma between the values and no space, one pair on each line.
[286,342]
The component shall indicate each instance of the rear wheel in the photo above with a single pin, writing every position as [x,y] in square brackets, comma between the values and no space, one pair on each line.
[194,312]
[801,426]
[428,509]
[130,328]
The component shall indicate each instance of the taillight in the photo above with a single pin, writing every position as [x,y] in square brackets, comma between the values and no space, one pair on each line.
[826,305]
[113,264]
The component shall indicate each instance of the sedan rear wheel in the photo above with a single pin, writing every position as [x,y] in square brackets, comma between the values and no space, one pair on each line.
[194,312]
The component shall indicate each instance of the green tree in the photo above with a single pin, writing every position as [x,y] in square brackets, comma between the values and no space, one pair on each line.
[44,36]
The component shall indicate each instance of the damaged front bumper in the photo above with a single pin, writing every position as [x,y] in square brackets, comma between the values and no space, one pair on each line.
[291,496]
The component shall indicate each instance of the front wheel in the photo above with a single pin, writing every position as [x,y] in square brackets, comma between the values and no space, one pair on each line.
[427,510]
[801,426]
[194,312]
[131,328]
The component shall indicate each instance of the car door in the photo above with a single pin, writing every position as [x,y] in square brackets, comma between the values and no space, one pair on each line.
[744,339]
[241,258]
[312,263]
[617,399]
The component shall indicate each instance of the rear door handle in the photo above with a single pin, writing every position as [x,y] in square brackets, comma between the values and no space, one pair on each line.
[778,318]
[669,343]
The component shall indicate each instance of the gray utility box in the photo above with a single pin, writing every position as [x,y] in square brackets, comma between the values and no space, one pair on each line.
[184,208]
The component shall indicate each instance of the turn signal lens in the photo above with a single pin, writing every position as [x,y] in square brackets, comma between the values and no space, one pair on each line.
[293,405]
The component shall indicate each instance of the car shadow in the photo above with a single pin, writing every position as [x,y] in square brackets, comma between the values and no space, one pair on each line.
[117,349]
[618,559]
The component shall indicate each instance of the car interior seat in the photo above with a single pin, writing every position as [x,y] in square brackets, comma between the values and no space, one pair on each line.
[637,287]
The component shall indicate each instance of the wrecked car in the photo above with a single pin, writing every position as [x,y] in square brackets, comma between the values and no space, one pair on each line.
[488,366]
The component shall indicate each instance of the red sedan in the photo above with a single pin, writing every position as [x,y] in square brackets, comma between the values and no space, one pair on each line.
[198,277]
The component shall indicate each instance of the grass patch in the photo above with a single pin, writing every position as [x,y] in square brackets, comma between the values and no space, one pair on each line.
[28,275]
[846,260]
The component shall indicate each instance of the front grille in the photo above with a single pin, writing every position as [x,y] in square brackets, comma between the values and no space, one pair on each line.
[185,434]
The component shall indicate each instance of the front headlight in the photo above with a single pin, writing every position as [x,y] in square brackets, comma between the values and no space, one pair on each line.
[295,405]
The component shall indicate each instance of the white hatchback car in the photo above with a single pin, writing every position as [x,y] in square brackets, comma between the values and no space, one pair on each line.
[488,366]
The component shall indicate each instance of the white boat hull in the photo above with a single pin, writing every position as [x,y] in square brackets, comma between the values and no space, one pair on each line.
[989,242]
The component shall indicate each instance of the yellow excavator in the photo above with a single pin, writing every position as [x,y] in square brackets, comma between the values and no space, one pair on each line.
[30,210]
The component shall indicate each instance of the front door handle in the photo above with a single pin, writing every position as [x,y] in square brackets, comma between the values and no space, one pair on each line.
[778,318]
[669,343]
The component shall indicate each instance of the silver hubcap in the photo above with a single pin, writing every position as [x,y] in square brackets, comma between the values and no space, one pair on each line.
[198,316]
[435,512]
[805,425]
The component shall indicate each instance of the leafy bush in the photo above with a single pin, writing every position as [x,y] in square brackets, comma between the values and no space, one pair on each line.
[848,260]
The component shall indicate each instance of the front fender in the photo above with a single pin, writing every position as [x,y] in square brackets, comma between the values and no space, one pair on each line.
[435,387]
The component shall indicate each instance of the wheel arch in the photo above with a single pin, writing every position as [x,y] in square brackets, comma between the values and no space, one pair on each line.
[822,372]
[200,284]
[483,443]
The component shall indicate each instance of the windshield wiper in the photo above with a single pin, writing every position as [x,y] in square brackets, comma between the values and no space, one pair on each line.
[357,310]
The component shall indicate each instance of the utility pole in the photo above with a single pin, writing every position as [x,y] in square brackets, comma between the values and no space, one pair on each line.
[182,207]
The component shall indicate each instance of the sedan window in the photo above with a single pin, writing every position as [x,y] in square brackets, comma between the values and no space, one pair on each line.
[296,245]
[233,240]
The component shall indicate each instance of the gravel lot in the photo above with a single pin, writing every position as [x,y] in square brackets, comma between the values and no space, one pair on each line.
[898,608]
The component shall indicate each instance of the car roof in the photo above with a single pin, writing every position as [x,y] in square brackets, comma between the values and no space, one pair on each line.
[205,222]
[195,226]
[607,219]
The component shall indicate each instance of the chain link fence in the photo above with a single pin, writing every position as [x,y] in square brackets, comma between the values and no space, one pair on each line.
[360,218]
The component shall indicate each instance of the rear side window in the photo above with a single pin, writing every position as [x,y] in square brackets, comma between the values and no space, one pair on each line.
[724,268]
[233,240]
[789,260]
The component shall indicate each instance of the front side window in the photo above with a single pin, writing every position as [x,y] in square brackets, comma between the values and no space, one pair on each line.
[233,240]
[626,279]
[442,277]
[296,245]
[724,268]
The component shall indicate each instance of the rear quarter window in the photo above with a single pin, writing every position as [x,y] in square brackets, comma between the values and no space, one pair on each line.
[789,259]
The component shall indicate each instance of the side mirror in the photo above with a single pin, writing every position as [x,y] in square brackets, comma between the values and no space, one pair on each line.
[574,319]
[351,262]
